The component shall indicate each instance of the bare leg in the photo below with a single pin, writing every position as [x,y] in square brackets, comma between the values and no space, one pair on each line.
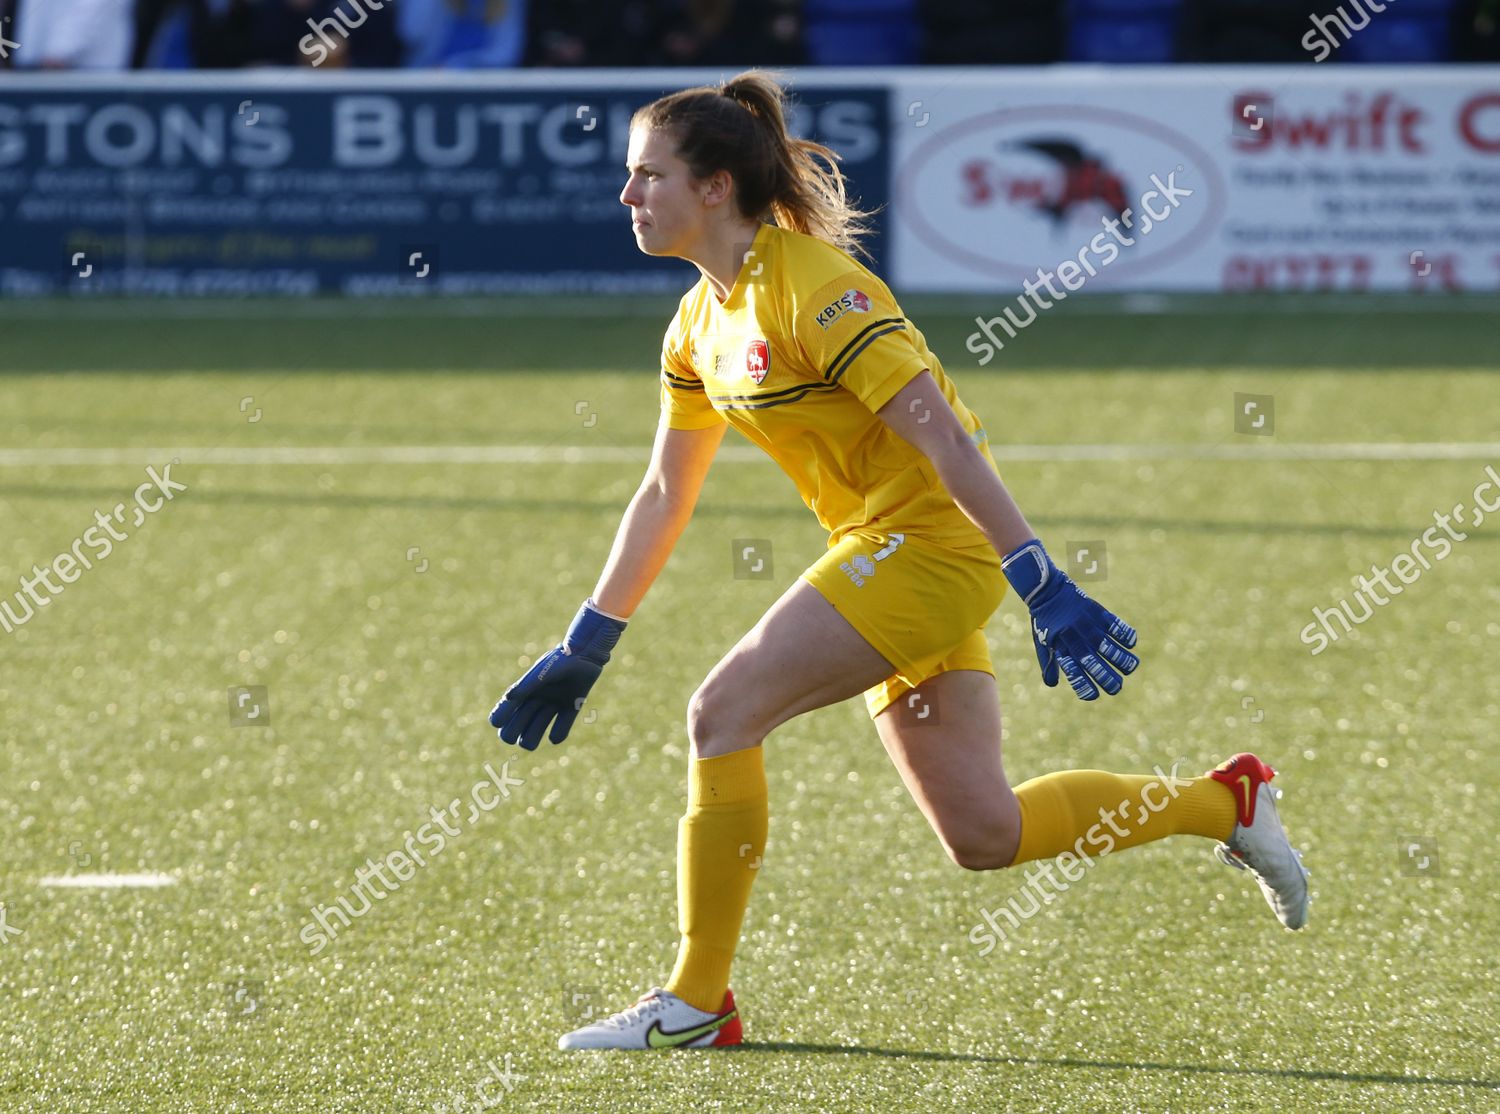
[952,768]
[801,655]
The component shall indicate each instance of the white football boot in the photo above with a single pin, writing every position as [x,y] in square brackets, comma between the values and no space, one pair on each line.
[660,1019]
[1259,843]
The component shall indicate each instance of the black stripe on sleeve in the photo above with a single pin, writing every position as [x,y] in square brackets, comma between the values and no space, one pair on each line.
[871,339]
[681,383]
[834,363]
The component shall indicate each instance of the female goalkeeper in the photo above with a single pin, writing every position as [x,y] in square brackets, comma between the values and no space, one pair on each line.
[790,340]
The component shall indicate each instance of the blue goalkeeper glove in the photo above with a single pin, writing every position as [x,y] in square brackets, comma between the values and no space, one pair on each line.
[558,683]
[1071,632]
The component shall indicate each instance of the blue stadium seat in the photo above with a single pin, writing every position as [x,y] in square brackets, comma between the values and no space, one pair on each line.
[1127,8]
[1399,40]
[828,10]
[860,44]
[1122,40]
[861,32]
[851,33]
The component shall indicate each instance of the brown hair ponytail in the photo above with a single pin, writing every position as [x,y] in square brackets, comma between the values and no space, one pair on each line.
[740,127]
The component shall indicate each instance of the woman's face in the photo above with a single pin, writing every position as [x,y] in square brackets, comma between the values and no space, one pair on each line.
[666,202]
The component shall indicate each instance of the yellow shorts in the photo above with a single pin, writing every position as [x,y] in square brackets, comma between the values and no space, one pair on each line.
[923,605]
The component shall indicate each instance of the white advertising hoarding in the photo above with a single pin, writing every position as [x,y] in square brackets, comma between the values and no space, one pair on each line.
[1190,178]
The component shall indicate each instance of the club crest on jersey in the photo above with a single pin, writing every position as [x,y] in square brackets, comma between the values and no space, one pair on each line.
[757,360]
[850,301]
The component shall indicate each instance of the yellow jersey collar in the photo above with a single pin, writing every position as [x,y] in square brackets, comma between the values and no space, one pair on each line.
[752,263]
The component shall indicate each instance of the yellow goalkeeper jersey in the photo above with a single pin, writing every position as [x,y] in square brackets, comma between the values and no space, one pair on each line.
[806,348]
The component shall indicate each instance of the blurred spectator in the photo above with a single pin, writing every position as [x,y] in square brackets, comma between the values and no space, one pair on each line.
[162,29]
[1476,31]
[475,34]
[370,37]
[980,32]
[668,33]
[223,34]
[228,34]
[730,33]
[463,34]
[71,35]
[1247,30]
[580,33]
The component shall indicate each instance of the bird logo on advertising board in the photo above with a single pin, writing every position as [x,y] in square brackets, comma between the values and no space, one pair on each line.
[1004,193]
[1086,177]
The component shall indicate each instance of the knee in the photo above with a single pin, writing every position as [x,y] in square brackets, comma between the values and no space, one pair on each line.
[989,846]
[714,721]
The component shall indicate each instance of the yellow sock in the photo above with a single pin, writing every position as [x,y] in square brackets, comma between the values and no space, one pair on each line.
[719,847]
[1090,812]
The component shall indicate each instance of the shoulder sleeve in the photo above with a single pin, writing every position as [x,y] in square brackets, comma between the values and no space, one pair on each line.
[684,402]
[854,334]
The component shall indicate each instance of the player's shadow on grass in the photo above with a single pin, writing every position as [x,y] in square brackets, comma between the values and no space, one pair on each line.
[1311,1074]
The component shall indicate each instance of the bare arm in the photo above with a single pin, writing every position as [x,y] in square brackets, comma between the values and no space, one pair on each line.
[656,516]
[975,485]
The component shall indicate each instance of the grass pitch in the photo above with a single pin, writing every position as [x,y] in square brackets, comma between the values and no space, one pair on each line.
[383,603]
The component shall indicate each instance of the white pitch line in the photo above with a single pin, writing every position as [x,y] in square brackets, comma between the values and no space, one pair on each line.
[601,454]
[337,454]
[108,881]
[1345,450]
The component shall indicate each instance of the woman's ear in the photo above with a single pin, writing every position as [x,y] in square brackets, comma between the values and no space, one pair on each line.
[718,188]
